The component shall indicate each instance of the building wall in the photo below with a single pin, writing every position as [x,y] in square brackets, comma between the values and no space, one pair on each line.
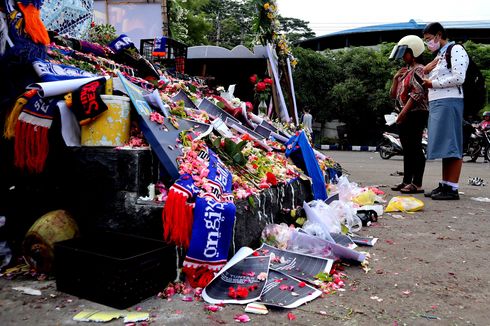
[137,20]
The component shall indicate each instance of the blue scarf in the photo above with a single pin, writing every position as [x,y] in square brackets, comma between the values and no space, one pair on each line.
[201,221]
[48,71]
[299,149]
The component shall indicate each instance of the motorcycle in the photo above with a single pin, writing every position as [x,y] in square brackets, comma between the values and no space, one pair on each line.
[476,142]
[391,145]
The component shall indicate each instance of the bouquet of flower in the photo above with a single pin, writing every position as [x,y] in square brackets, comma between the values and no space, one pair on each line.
[262,88]
[101,34]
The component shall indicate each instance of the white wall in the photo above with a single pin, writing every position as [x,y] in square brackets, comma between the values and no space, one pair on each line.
[138,21]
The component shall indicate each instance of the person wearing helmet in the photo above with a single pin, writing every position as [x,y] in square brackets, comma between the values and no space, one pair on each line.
[411,99]
[485,124]
[445,109]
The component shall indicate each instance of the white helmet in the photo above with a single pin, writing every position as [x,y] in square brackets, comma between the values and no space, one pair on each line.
[412,42]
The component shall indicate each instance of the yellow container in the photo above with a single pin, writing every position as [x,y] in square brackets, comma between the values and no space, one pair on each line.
[111,128]
[38,244]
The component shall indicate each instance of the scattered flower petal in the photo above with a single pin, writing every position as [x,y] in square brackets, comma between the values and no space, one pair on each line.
[243,318]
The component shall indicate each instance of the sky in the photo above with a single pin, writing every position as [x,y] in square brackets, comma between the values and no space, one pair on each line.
[327,16]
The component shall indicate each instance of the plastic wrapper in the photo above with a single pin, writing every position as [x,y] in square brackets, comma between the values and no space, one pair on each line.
[320,213]
[347,215]
[377,208]
[367,197]
[289,238]
[277,235]
[406,204]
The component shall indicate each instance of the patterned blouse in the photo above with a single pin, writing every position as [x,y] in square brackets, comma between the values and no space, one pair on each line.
[445,81]
[410,86]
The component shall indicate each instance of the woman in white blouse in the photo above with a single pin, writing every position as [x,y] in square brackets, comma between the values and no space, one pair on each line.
[445,109]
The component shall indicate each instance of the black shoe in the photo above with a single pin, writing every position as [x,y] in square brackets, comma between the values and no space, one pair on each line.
[446,193]
[434,191]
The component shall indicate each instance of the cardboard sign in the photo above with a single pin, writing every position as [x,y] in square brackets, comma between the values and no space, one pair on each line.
[182,96]
[163,142]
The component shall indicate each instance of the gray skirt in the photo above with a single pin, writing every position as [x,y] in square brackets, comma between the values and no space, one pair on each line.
[445,128]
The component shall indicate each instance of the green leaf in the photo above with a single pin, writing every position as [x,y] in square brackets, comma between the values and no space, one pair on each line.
[230,147]
[324,277]
[217,142]
[239,159]
[221,105]
[241,145]
[192,88]
[251,201]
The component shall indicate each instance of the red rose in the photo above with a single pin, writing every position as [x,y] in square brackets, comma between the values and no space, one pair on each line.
[261,86]
[242,292]
[250,106]
[232,292]
[253,79]
[271,178]
[268,81]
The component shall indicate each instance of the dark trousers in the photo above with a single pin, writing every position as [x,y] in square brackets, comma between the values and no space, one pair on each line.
[411,131]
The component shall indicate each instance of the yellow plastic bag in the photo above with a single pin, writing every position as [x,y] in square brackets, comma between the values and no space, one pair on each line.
[365,198]
[406,204]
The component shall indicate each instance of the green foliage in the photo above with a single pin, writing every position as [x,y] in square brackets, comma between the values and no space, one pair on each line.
[232,22]
[349,85]
[295,29]
[189,24]
[226,23]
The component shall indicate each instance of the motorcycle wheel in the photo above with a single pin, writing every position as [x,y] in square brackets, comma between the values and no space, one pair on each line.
[385,150]
[487,153]
[473,150]
[476,153]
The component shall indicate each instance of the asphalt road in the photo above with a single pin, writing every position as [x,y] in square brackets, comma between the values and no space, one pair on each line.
[429,267]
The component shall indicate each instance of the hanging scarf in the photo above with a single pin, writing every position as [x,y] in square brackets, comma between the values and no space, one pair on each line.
[160,47]
[31,133]
[212,232]
[212,229]
[201,219]
[48,71]
[13,116]
[87,104]
[177,212]
[299,149]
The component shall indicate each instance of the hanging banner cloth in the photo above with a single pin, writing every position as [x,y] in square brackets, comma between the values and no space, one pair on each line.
[299,149]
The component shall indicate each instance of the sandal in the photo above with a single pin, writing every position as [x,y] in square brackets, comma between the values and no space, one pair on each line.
[411,189]
[399,186]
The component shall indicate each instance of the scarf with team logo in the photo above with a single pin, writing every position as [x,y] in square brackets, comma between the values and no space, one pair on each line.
[201,220]
[31,133]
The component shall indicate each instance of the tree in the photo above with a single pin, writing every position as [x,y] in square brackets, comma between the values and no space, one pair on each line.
[226,23]
[232,21]
[295,29]
[188,23]
[350,85]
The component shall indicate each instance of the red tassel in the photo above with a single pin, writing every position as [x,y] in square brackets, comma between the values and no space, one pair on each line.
[177,218]
[198,277]
[31,147]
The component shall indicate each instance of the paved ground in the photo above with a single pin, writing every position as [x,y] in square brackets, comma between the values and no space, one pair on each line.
[428,268]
